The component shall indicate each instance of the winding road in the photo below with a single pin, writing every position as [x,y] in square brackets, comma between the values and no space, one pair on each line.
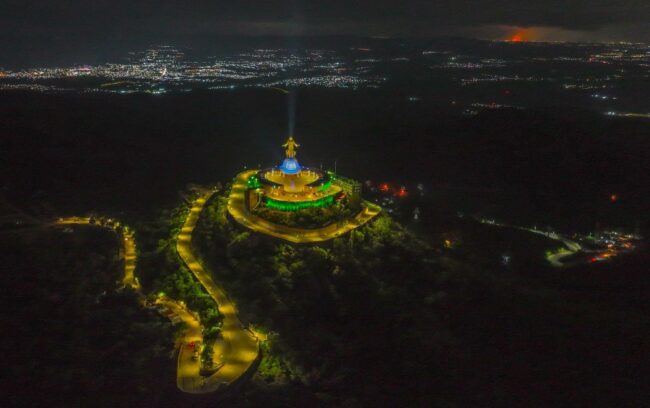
[554,258]
[241,346]
[128,246]
[239,349]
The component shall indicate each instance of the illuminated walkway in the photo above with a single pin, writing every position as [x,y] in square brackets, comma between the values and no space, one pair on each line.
[241,346]
[238,210]
[234,356]
[188,378]
[555,258]
[187,366]
[129,261]
[128,246]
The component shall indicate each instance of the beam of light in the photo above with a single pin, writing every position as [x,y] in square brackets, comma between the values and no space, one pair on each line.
[284,91]
[292,112]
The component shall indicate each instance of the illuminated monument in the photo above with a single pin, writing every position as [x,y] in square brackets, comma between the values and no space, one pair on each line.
[292,187]
[296,203]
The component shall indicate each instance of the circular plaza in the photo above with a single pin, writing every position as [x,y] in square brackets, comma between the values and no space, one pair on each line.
[298,203]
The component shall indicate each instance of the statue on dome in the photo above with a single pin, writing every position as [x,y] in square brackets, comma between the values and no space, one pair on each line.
[291,147]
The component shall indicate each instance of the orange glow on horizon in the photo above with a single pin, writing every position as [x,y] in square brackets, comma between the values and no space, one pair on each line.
[534,33]
[518,37]
[518,34]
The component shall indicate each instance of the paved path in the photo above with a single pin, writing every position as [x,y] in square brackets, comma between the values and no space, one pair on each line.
[237,209]
[241,346]
[128,246]
[555,258]
[129,261]
[237,351]
[187,373]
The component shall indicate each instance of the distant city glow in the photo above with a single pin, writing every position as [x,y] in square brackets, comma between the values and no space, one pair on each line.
[158,69]
[603,69]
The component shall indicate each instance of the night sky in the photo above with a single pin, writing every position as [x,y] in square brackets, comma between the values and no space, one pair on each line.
[102,24]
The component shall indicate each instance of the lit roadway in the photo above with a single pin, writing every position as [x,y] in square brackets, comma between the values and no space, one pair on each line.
[128,246]
[238,210]
[188,378]
[73,220]
[129,261]
[555,259]
[187,373]
[241,346]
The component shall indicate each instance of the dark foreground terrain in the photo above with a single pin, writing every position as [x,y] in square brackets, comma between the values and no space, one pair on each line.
[70,337]
[381,318]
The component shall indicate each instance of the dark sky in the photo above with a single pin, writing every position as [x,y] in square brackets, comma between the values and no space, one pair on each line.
[29,23]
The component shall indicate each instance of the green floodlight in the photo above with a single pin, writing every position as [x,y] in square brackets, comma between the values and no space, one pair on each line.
[326,185]
[298,205]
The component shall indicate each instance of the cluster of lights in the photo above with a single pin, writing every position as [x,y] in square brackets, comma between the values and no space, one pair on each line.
[628,114]
[399,192]
[501,78]
[254,182]
[465,61]
[328,81]
[257,68]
